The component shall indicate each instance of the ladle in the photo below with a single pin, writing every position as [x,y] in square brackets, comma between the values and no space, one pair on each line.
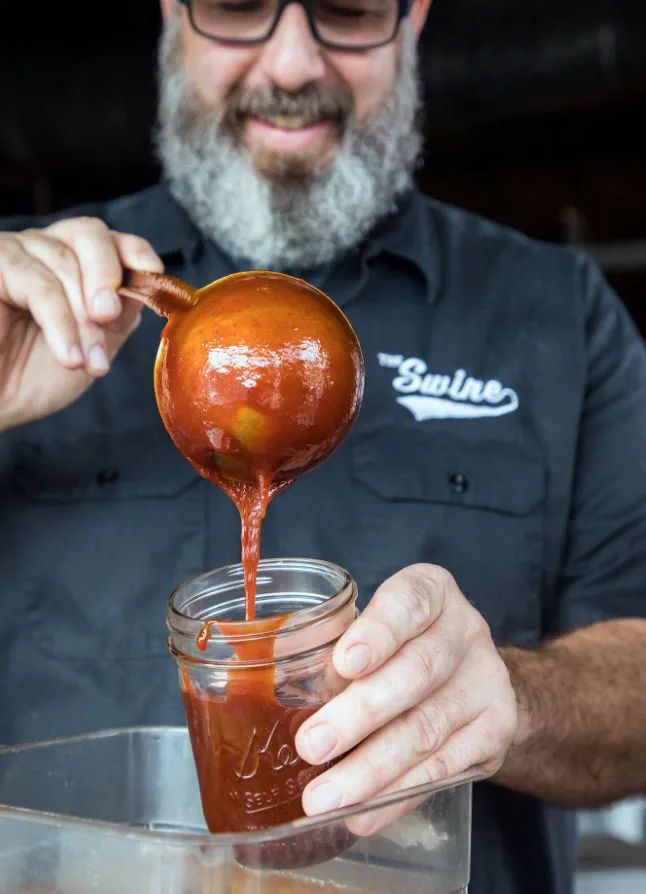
[259,377]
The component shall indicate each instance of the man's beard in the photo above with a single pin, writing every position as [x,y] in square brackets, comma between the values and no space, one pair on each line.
[285,213]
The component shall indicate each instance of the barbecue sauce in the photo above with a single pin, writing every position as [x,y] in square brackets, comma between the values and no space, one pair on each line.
[258,378]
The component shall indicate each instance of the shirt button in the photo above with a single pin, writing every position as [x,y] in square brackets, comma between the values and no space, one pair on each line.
[458,483]
[107,476]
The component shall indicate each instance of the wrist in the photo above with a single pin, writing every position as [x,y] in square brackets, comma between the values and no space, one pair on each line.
[521,665]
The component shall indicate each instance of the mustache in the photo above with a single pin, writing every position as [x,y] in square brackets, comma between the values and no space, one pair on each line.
[312,103]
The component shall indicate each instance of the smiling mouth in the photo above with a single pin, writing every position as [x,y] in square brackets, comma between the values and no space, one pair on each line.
[292,122]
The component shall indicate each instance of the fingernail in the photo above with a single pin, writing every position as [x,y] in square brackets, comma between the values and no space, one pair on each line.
[98,359]
[105,303]
[357,659]
[320,740]
[75,355]
[327,796]
[147,261]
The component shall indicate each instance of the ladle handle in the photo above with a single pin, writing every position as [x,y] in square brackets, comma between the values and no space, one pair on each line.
[163,294]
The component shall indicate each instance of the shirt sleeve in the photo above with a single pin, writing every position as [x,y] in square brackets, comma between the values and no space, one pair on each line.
[604,572]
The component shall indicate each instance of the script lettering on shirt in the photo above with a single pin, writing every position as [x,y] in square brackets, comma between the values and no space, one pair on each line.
[442,396]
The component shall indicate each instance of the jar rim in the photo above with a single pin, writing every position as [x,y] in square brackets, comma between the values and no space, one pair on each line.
[252,631]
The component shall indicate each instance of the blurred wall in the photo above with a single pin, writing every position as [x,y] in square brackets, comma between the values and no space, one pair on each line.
[535,114]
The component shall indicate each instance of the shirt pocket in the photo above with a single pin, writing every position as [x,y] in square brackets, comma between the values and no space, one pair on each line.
[473,507]
[103,467]
[100,529]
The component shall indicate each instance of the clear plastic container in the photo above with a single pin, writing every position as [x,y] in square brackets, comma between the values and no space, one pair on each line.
[119,812]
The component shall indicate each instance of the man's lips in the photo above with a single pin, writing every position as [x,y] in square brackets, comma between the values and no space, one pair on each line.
[285,134]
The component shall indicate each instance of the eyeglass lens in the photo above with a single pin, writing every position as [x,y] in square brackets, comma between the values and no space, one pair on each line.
[346,23]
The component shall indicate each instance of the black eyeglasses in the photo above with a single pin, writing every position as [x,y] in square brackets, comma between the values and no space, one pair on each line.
[337,24]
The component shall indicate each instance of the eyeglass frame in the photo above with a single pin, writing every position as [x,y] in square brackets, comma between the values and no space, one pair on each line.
[403,9]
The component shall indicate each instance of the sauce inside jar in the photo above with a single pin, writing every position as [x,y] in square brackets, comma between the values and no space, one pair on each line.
[251,776]
[248,693]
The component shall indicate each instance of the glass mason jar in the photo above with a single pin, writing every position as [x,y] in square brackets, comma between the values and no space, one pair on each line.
[248,685]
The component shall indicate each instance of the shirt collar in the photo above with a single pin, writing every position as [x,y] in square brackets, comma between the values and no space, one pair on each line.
[407,233]
[158,217]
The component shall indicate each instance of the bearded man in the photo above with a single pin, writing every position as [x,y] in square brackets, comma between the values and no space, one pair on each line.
[490,501]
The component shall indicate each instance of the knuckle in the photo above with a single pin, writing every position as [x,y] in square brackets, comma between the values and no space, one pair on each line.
[438,767]
[30,233]
[365,708]
[476,627]
[499,728]
[73,227]
[90,225]
[42,282]
[424,729]
[434,576]
[509,724]
[136,244]
[427,663]
[440,578]
[57,253]
[417,599]
[63,254]
[377,769]
[96,250]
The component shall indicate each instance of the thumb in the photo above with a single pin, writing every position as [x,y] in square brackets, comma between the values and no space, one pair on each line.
[118,332]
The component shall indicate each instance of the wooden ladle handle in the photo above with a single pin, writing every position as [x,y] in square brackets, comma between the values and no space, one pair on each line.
[163,294]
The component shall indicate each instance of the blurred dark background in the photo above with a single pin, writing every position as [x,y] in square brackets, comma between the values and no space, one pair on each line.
[536,115]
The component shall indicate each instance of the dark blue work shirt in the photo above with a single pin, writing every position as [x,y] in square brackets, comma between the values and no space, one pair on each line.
[503,436]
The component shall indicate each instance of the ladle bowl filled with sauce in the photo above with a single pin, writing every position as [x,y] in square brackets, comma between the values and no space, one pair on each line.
[259,377]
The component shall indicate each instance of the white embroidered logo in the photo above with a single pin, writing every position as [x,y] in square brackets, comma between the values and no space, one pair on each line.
[433,396]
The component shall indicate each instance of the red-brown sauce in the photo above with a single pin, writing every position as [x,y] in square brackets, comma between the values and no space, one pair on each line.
[257,382]
[258,378]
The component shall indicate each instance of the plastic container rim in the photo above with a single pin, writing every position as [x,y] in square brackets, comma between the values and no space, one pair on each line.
[220,840]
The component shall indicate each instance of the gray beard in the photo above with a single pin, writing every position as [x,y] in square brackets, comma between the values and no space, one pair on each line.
[287,223]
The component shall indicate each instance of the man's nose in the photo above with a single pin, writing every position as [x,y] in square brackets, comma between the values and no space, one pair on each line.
[292,57]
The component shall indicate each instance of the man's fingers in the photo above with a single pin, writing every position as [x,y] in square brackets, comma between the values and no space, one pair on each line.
[402,608]
[394,750]
[101,255]
[30,285]
[419,668]
[98,261]
[468,749]
[137,253]
[62,261]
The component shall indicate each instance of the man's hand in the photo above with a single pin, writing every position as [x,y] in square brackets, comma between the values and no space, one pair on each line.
[61,321]
[430,697]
